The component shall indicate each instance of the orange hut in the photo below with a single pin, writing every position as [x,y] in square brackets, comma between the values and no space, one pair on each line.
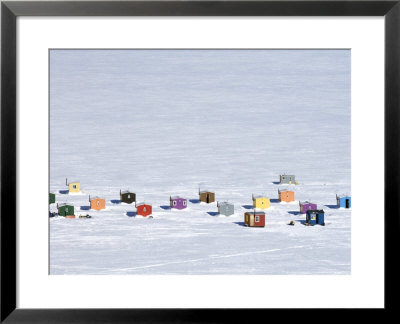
[285,195]
[97,203]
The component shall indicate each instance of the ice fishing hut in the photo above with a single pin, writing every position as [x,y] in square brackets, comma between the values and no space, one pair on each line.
[225,208]
[343,201]
[177,202]
[65,209]
[206,196]
[97,203]
[285,195]
[143,209]
[52,198]
[127,197]
[287,179]
[254,218]
[315,217]
[260,201]
[73,186]
[306,205]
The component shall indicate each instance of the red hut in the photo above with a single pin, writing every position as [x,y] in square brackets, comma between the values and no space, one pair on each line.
[143,209]
[254,218]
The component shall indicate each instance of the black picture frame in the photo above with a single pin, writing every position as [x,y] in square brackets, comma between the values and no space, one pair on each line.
[10,10]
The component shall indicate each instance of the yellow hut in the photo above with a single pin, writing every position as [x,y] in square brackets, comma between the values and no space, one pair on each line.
[73,186]
[261,202]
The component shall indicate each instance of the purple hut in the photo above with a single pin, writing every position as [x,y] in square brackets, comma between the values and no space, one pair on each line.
[306,205]
[177,202]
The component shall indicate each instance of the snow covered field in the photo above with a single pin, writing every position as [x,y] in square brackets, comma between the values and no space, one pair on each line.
[166,122]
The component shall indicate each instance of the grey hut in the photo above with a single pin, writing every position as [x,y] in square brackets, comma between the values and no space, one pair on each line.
[225,208]
[287,179]
[127,196]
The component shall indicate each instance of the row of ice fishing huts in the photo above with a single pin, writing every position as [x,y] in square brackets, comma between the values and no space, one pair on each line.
[255,218]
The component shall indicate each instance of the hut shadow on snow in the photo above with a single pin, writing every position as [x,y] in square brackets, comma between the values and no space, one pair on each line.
[194,201]
[131,214]
[85,208]
[213,213]
[64,192]
[239,223]
[248,206]
[115,201]
[274,200]
[165,207]
[332,206]
[276,182]
[294,213]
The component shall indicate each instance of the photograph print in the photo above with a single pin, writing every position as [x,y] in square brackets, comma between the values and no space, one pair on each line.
[199,162]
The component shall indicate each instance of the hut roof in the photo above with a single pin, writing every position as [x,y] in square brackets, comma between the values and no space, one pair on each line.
[287,175]
[225,203]
[316,211]
[256,210]
[343,196]
[142,203]
[64,204]
[305,202]
[95,197]
[77,181]
[284,189]
[202,191]
[260,196]
[126,192]
[177,197]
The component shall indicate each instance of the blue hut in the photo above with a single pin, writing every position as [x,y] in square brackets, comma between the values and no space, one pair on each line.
[314,217]
[343,201]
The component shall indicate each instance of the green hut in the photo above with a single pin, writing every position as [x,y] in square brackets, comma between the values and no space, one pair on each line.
[52,198]
[65,209]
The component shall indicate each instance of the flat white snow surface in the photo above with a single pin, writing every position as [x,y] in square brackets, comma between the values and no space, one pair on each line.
[168,122]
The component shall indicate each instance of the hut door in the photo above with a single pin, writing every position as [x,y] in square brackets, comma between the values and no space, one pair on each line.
[347,203]
[252,220]
[208,198]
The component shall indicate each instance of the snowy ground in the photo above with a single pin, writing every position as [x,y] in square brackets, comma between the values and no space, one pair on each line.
[165,123]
